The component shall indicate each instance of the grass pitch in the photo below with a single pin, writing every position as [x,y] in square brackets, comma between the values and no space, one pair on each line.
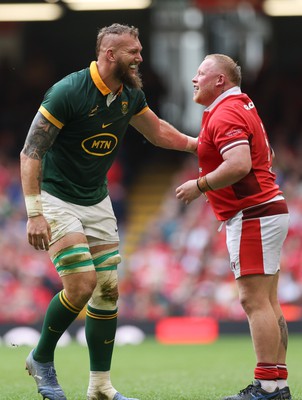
[152,371]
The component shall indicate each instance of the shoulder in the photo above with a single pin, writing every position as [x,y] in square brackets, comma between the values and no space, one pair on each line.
[232,108]
[67,96]
[237,103]
[135,99]
[228,121]
[71,83]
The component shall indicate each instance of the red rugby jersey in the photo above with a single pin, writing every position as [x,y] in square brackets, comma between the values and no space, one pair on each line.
[230,121]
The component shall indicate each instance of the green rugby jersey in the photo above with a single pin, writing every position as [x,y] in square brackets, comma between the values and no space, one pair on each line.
[75,167]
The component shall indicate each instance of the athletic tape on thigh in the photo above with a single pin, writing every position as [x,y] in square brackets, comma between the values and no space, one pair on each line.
[106,260]
[72,259]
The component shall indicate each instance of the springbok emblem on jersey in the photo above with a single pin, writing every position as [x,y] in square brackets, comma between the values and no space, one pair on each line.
[124,107]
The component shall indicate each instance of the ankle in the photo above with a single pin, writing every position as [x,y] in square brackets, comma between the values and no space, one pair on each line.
[268,386]
[282,383]
[100,381]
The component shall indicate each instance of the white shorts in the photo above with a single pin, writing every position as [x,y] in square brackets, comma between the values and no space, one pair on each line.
[97,222]
[255,237]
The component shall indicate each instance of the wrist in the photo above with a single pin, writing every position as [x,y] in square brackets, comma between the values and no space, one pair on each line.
[191,145]
[202,184]
[33,204]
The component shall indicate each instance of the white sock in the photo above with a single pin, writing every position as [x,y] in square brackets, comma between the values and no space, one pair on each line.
[268,386]
[282,383]
[100,380]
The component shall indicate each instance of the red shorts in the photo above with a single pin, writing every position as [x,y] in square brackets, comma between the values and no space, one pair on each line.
[255,237]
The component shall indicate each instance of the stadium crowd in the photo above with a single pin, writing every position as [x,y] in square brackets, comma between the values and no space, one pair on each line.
[181,264]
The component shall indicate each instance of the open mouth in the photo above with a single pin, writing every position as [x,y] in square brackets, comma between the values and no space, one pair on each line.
[133,67]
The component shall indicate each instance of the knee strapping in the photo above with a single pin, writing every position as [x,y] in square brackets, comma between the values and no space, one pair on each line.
[105,294]
[107,259]
[72,259]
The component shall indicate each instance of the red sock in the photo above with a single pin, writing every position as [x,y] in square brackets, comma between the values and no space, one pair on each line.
[266,371]
[282,371]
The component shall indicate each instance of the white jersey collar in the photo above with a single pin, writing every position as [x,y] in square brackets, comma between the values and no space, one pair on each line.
[230,92]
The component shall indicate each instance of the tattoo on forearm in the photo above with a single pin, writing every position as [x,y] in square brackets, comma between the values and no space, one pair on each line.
[40,138]
[284,331]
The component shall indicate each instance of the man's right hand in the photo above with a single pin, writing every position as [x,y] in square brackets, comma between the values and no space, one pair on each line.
[38,232]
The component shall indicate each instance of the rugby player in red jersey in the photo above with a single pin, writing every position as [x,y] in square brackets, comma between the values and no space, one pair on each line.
[236,177]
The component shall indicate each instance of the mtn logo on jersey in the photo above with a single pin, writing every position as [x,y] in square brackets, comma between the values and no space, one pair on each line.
[100,145]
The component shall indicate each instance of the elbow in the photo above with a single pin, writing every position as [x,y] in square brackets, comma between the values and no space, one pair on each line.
[24,158]
[156,143]
[155,140]
[22,155]
[243,170]
[246,171]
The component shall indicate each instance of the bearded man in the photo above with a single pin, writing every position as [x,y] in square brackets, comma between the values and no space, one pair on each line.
[71,144]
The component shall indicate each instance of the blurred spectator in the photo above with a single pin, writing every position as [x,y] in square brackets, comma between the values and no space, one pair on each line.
[117,191]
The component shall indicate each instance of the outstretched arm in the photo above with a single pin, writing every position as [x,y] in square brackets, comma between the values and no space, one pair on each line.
[162,134]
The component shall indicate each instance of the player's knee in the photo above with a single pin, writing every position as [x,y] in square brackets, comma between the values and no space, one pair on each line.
[109,295]
[105,295]
[244,304]
[80,287]
[110,292]
[248,304]
[86,285]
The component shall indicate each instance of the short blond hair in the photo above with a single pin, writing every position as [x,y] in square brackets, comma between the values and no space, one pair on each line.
[230,67]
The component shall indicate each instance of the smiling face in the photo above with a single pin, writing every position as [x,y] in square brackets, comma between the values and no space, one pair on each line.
[208,83]
[127,55]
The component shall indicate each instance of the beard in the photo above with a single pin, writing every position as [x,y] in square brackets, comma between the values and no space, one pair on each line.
[122,73]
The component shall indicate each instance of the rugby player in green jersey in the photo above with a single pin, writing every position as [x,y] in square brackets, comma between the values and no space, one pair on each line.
[71,144]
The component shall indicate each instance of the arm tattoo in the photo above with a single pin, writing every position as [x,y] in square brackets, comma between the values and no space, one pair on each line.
[40,138]
[283,331]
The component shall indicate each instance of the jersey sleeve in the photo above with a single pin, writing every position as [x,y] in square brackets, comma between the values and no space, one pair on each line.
[57,105]
[141,103]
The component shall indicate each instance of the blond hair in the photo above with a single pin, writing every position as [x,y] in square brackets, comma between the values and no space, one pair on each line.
[229,66]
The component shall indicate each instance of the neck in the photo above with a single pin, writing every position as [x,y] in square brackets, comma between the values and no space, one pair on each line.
[107,77]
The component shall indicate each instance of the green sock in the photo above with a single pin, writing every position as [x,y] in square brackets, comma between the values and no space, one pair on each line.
[100,331]
[60,314]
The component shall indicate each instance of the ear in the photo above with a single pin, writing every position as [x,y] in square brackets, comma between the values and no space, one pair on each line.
[110,54]
[221,80]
